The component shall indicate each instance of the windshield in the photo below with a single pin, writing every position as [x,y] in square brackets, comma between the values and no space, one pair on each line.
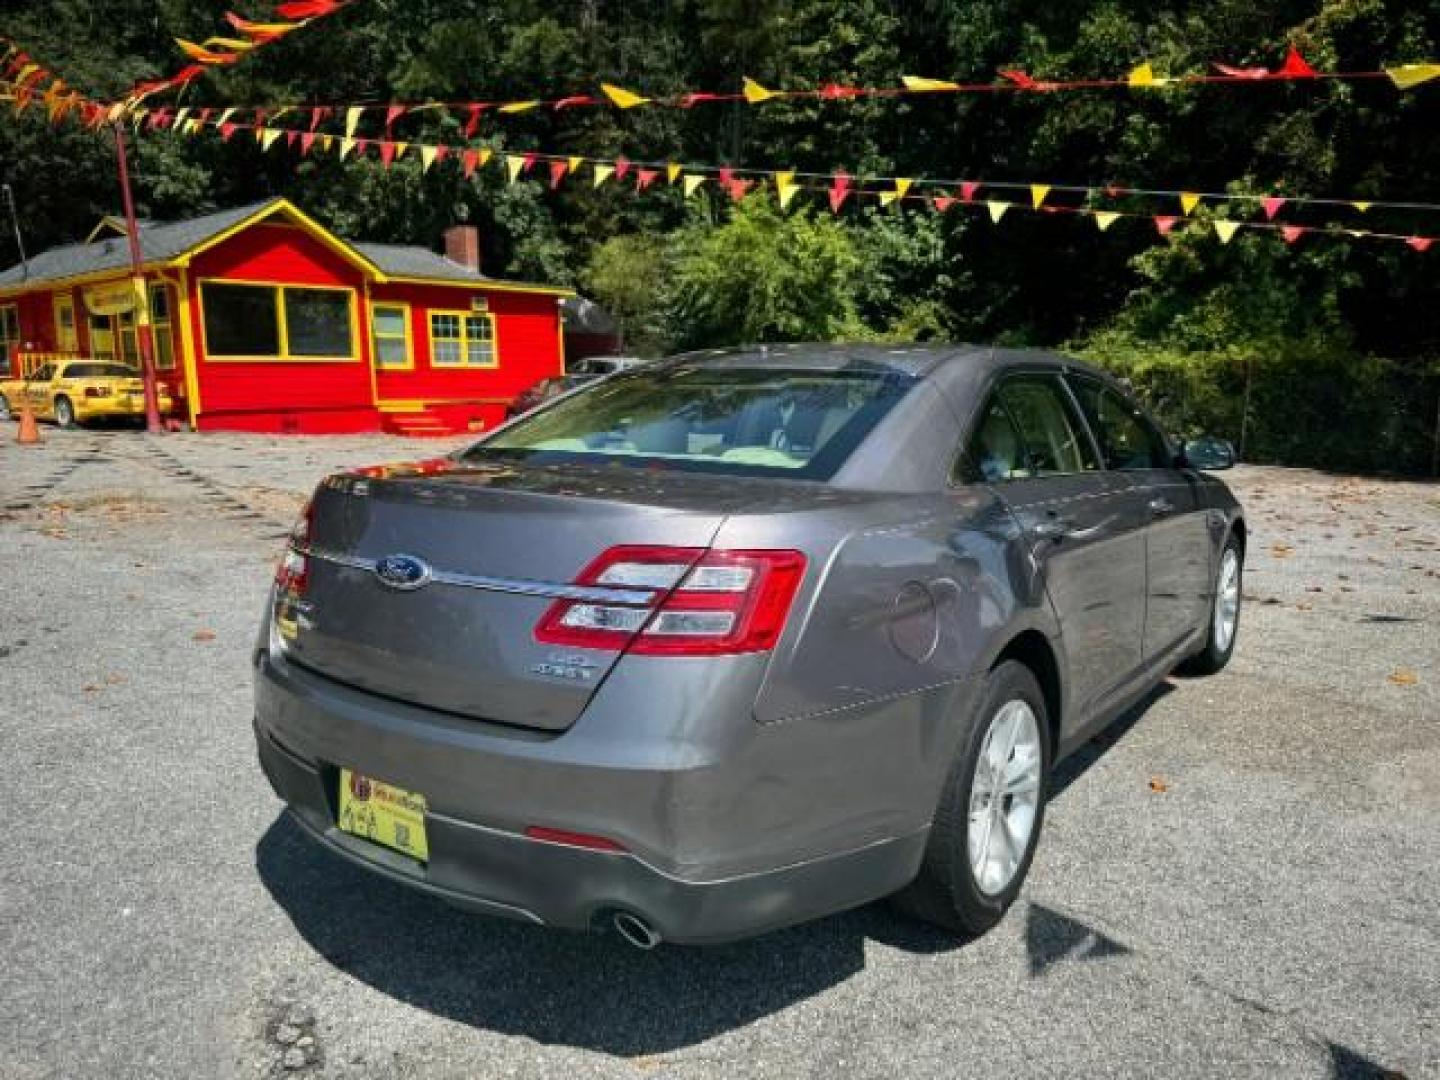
[739,421]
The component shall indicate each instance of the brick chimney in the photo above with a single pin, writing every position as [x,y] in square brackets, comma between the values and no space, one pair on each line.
[462,245]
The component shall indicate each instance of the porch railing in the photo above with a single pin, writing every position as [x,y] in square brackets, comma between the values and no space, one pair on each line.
[27,362]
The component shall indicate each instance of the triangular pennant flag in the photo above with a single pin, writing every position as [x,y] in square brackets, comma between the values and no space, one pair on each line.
[268,137]
[1420,243]
[755,93]
[944,202]
[1225,230]
[1407,75]
[574,163]
[602,173]
[691,184]
[968,188]
[326,142]
[428,156]
[644,178]
[785,187]
[392,114]
[400,148]
[672,172]
[514,163]
[997,209]
[1142,75]
[1164,223]
[469,162]
[558,169]
[225,117]
[737,189]
[836,92]
[1019,78]
[202,55]
[1188,201]
[726,176]
[352,119]
[473,122]
[307,139]
[291,137]
[622,168]
[518,106]
[888,197]
[1243,73]
[902,186]
[1272,206]
[919,85]
[347,146]
[622,97]
[577,99]
[1361,206]
[226,130]
[1105,218]
[387,153]
[1295,66]
[1037,194]
[259,133]
[839,192]
[181,114]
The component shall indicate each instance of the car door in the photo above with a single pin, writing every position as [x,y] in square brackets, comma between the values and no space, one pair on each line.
[1178,549]
[37,390]
[1032,445]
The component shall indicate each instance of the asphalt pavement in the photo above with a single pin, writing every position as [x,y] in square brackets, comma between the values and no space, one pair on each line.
[1239,879]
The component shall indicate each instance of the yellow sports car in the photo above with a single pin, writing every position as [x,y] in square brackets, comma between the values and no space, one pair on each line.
[74,391]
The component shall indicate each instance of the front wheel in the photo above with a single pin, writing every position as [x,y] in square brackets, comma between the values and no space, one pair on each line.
[64,412]
[988,822]
[1224,615]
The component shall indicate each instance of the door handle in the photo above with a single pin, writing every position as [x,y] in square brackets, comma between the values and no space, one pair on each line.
[1160,506]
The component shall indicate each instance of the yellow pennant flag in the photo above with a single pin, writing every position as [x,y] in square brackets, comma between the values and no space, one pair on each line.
[181,114]
[622,97]
[1037,194]
[1226,230]
[888,197]
[485,155]
[574,163]
[1105,218]
[518,106]
[232,44]
[352,119]
[192,126]
[347,144]
[400,148]
[118,110]
[603,173]
[260,134]
[902,186]
[428,154]
[1188,201]
[673,171]
[786,187]
[513,164]
[997,208]
[1142,75]
[923,85]
[692,184]
[1407,75]
[326,142]
[268,137]
[1361,206]
[755,93]
[225,118]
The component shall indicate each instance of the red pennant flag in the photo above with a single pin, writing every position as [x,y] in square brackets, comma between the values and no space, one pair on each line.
[361,145]
[1291,233]
[644,178]
[738,188]
[622,166]
[473,122]
[387,152]
[307,140]
[290,137]
[694,99]
[944,202]
[1243,73]
[392,114]
[226,130]
[727,176]
[1164,223]
[471,160]
[442,152]
[836,92]
[1295,66]
[1020,79]
[187,75]
[316,115]
[155,120]
[1272,206]
[1420,243]
[260,115]
[575,99]
[557,173]
[968,189]
[527,162]
[308,9]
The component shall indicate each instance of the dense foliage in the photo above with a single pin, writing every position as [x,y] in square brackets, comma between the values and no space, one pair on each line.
[1326,353]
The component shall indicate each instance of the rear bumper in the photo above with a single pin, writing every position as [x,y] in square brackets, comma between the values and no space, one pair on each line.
[485,786]
[116,405]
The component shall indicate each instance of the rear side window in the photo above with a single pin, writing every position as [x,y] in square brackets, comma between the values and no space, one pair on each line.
[1127,439]
[100,371]
[690,418]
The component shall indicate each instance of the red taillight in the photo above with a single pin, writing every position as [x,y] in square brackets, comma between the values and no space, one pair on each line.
[293,574]
[96,391]
[573,839]
[702,603]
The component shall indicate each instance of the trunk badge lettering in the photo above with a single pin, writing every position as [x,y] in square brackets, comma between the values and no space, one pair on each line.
[403,572]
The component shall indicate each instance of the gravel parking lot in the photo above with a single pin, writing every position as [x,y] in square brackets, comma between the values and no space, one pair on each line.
[1239,879]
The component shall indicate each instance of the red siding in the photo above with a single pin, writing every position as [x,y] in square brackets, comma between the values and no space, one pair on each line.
[284,391]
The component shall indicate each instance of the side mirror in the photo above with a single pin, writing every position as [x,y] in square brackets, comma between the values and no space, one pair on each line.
[1209,453]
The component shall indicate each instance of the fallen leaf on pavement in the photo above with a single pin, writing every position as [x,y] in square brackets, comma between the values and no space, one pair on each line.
[203,635]
[1281,551]
[1403,677]
[1158,785]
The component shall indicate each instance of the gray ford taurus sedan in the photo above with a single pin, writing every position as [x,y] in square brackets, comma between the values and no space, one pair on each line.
[740,638]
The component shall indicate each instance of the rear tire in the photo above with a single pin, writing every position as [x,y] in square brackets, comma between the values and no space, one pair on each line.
[949,890]
[64,412]
[1224,627]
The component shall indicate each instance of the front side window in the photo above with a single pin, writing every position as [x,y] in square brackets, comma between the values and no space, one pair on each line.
[462,339]
[1127,439]
[737,421]
[268,322]
[1053,439]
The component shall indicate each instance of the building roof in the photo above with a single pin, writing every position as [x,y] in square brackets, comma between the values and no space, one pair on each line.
[174,241]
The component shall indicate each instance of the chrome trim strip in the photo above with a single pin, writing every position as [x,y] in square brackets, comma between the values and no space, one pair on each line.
[587,594]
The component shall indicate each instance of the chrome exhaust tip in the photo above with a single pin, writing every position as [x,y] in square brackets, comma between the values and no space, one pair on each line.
[635,930]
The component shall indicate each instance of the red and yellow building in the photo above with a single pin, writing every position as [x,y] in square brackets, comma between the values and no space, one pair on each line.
[265,321]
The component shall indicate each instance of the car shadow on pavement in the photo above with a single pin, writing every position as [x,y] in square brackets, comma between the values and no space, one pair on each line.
[585,990]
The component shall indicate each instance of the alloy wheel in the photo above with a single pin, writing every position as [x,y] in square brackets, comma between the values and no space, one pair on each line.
[1227,600]
[1004,796]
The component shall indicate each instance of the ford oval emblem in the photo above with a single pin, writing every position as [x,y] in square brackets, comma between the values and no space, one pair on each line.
[403,572]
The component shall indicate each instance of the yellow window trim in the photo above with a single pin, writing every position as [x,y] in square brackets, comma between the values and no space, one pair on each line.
[187,350]
[375,337]
[464,339]
[60,300]
[157,326]
[285,356]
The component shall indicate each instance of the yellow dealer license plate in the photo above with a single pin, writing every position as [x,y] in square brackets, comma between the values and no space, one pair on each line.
[383,813]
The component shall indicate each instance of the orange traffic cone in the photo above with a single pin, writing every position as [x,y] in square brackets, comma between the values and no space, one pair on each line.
[29,434]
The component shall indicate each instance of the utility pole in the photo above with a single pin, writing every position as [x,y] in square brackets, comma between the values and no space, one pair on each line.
[137,284]
[19,240]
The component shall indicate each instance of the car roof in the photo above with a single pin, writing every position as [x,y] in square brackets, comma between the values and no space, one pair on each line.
[915,360]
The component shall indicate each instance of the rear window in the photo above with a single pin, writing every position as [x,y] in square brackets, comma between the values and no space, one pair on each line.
[743,422]
[101,371]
